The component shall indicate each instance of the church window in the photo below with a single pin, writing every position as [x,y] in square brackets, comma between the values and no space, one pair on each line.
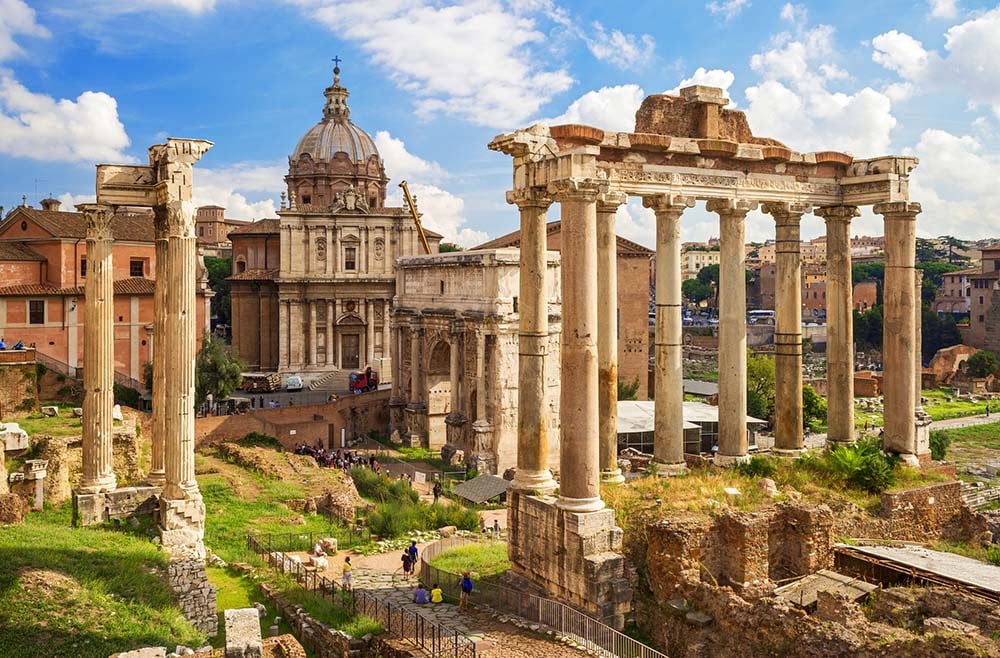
[36,311]
[350,255]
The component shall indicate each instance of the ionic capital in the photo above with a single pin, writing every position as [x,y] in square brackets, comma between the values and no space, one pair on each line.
[898,209]
[575,189]
[738,207]
[786,211]
[529,197]
[98,216]
[838,213]
[668,203]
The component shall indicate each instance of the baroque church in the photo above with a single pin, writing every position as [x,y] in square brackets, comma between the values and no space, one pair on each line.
[312,290]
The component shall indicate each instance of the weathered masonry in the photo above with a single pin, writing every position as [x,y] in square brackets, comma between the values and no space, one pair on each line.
[685,149]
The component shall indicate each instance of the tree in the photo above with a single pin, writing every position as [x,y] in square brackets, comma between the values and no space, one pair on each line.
[628,391]
[219,269]
[445,247]
[695,291]
[216,371]
[927,250]
[868,327]
[760,385]
[982,364]
[937,331]
[951,243]
[147,376]
[709,274]
[813,406]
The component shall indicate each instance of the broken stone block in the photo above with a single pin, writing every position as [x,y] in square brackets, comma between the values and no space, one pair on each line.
[51,412]
[447,531]
[696,618]
[732,491]
[935,624]
[78,412]
[329,545]
[14,438]
[243,639]
[13,509]
[768,486]
[116,412]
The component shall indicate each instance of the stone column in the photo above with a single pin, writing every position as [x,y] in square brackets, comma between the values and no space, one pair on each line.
[284,334]
[788,421]
[899,351]
[480,376]
[417,392]
[370,333]
[157,474]
[579,450]
[923,419]
[313,348]
[733,444]
[839,323]
[668,435]
[386,337]
[607,335]
[99,352]
[295,337]
[533,338]
[454,373]
[330,319]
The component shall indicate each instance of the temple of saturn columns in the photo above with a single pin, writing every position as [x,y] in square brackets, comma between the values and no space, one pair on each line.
[684,149]
[164,185]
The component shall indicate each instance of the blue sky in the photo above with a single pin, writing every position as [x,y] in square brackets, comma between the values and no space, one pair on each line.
[92,81]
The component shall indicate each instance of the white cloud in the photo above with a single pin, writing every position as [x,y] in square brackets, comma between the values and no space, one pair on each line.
[968,66]
[403,165]
[710,78]
[795,14]
[943,8]
[609,108]
[728,8]
[69,201]
[234,186]
[625,51]
[17,18]
[42,128]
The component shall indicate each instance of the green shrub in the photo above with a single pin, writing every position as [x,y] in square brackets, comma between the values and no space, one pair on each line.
[382,489]
[393,519]
[939,444]
[259,440]
[759,466]
[127,396]
[861,465]
[462,518]
[993,555]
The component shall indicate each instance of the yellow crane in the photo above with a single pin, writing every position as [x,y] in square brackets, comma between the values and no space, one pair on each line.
[416,216]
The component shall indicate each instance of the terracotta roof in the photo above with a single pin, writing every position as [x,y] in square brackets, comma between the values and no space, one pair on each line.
[72,225]
[260,227]
[16,251]
[514,240]
[129,286]
[255,275]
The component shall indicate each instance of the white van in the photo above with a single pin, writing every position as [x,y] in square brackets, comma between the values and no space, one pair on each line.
[294,383]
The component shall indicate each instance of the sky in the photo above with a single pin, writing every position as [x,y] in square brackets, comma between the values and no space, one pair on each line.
[433,81]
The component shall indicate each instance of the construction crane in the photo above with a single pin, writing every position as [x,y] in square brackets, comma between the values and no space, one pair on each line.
[416,216]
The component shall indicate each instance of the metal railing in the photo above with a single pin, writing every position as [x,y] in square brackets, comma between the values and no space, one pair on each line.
[593,634]
[398,622]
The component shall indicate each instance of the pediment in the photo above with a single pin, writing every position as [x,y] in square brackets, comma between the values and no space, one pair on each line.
[351,237]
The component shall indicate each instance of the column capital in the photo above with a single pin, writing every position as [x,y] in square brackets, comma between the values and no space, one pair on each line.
[98,216]
[608,202]
[575,189]
[529,197]
[668,203]
[786,209]
[731,206]
[172,220]
[844,213]
[898,209]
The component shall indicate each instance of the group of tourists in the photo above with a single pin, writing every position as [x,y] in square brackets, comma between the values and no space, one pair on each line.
[19,345]
[435,595]
[340,458]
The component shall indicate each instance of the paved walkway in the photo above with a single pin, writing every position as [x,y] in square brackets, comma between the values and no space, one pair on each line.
[819,440]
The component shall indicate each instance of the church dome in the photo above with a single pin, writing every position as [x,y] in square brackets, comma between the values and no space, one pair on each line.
[335,133]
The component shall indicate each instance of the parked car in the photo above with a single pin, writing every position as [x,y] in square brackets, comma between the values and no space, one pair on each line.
[294,383]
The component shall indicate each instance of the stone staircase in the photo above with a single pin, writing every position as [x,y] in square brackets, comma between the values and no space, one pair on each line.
[336,380]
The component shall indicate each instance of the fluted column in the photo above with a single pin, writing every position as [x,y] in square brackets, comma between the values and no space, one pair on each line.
[454,372]
[733,444]
[607,335]
[386,337]
[788,420]
[480,376]
[579,450]
[899,351]
[313,347]
[99,352]
[418,394]
[330,319]
[284,330]
[668,434]
[839,323]
[157,474]
[370,333]
[533,337]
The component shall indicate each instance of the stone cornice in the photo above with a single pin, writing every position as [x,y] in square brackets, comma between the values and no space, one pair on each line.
[898,209]
[725,207]
[842,213]
[575,189]
[529,198]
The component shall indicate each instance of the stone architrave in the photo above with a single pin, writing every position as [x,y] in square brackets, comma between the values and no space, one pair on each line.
[899,351]
[579,451]
[788,422]
[607,334]
[839,323]
[668,429]
[533,334]
[733,444]
[99,347]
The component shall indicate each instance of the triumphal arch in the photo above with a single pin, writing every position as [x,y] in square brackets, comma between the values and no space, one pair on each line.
[684,148]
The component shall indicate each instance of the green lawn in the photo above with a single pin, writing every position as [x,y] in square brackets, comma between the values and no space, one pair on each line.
[83,592]
[976,436]
[62,425]
[483,560]
[940,408]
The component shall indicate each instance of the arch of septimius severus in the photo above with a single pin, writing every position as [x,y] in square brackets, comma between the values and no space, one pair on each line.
[685,149]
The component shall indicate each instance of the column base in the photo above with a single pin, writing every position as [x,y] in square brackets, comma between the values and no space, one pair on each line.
[157,478]
[613,476]
[729,460]
[910,459]
[666,470]
[182,527]
[100,485]
[789,453]
[594,504]
[534,482]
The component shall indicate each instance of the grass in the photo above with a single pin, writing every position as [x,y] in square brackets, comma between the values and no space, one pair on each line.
[989,554]
[62,425]
[83,592]
[484,561]
[975,436]
[940,408]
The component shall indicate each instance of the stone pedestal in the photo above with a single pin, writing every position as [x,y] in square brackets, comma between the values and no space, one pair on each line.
[482,458]
[122,503]
[243,638]
[573,555]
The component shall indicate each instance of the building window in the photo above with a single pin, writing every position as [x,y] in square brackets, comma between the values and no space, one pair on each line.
[36,311]
[241,266]
[201,231]
[981,299]
[349,257]
[982,317]
[136,267]
[83,267]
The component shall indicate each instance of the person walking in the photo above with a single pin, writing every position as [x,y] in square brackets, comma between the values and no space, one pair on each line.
[465,587]
[412,550]
[347,574]
[407,563]
[437,490]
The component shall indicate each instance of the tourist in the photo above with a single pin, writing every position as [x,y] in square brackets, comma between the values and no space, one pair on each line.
[987,409]
[3,343]
[347,573]
[260,402]
[412,550]
[420,594]
[437,596]
[465,585]
[496,528]
[437,490]
[318,550]
[407,563]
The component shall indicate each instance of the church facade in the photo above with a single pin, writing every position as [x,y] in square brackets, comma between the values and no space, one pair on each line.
[312,290]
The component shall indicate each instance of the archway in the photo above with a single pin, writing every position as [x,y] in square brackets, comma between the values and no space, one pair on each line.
[438,394]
